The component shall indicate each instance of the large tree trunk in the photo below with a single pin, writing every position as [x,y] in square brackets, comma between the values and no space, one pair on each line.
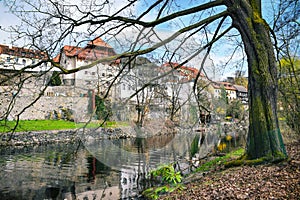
[264,137]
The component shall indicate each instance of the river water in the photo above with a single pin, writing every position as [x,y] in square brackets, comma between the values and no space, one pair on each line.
[104,169]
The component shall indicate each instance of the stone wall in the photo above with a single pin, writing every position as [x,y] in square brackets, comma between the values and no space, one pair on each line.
[54,101]
[22,139]
[46,106]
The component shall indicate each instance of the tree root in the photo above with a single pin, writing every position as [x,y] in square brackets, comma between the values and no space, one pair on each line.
[244,160]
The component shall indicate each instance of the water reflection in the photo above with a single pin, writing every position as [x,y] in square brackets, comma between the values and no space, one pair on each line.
[105,169]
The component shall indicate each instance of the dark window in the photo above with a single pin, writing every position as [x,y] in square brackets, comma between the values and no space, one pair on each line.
[24,62]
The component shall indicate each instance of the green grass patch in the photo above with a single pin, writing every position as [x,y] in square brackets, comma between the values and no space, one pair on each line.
[220,160]
[40,125]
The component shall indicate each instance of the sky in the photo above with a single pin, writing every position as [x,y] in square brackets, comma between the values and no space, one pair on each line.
[7,19]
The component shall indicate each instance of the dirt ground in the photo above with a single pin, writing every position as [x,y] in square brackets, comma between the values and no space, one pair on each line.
[269,181]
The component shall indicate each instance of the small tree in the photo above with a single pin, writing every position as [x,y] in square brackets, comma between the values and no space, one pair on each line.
[55,79]
[103,108]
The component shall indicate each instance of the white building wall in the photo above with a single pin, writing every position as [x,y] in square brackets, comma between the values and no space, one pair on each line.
[10,62]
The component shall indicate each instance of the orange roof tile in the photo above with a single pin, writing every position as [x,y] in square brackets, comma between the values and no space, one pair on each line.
[22,52]
[184,70]
[95,49]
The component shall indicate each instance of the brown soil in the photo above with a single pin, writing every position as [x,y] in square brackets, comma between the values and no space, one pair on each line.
[270,181]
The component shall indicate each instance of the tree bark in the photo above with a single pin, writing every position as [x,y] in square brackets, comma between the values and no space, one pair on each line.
[264,137]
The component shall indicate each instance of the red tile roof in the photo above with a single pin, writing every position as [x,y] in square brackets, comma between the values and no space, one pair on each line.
[22,52]
[189,72]
[94,50]
[226,85]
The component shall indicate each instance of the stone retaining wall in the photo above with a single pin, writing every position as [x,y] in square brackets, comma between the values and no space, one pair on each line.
[61,136]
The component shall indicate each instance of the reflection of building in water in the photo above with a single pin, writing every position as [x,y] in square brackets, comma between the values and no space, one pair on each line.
[128,182]
[109,193]
[132,180]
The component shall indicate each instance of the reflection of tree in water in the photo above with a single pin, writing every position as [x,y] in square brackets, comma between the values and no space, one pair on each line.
[96,167]
[154,142]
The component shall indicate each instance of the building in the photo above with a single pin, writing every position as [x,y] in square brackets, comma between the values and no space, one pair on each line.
[18,64]
[232,91]
[228,87]
[98,77]
[241,93]
[16,58]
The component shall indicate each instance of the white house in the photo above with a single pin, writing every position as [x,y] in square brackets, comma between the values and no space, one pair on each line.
[16,58]
[98,77]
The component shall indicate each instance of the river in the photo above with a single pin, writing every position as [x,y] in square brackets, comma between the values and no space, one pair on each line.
[103,169]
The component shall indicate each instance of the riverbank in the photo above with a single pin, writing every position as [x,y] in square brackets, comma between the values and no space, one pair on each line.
[269,181]
[21,139]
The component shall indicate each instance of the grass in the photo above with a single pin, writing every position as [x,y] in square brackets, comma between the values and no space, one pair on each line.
[220,160]
[40,125]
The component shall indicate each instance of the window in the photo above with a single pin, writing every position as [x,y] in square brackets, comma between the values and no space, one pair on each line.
[85,72]
[24,62]
[8,59]
[103,74]
[33,62]
[93,73]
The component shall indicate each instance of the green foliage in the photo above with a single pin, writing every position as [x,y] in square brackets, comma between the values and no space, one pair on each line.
[235,109]
[55,79]
[224,97]
[289,96]
[103,108]
[168,177]
[167,174]
[154,192]
[243,81]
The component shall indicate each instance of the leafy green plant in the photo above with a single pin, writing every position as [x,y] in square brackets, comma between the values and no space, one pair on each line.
[169,179]
[167,174]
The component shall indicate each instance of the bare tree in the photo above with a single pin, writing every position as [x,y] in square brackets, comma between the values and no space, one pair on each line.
[286,26]
[52,23]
